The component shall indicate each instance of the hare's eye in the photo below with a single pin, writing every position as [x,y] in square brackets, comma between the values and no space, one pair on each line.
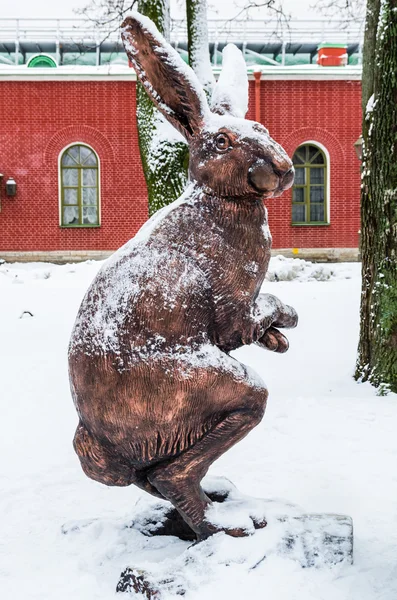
[222,142]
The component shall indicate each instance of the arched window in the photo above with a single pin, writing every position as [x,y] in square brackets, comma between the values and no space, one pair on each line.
[309,193]
[79,187]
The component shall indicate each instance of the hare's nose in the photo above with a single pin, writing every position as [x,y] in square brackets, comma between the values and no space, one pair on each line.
[262,177]
[288,179]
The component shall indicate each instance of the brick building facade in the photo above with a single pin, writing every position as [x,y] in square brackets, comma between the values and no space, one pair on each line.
[45,111]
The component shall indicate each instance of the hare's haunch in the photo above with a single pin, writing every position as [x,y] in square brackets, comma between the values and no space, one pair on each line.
[158,395]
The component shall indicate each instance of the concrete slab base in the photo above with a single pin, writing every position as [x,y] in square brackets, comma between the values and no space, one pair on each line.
[73,256]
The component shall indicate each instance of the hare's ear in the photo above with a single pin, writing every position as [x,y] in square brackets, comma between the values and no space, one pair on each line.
[230,95]
[169,81]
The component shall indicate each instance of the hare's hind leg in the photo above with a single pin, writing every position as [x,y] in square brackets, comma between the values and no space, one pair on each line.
[238,406]
[102,462]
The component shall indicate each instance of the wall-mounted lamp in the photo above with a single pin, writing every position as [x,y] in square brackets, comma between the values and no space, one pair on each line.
[358,147]
[11,187]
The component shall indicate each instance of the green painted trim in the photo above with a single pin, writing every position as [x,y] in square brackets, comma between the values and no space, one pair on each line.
[310,224]
[42,61]
[79,226]
[79,188]
[328,45]
[307,185]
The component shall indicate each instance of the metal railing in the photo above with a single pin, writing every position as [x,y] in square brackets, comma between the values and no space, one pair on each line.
[18,36]
[252,30]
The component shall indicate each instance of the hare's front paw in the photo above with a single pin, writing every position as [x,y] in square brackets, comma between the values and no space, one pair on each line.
[278,315]
[274,341]
[270,311]
[287,317]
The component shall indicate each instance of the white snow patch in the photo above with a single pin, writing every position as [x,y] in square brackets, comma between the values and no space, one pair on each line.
[370,104]
[163,130]
[289,269]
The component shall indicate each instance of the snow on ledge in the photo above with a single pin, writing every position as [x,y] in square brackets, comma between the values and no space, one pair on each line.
[123,72]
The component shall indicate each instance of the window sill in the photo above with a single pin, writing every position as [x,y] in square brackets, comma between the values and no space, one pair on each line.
[79,226]
[310,224]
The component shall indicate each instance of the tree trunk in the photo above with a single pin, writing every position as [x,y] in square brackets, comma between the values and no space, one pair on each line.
[197,35]
[369,51]
[377,352]
[163,151]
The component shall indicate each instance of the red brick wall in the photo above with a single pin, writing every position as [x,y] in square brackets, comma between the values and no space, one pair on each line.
[328,112]
[39,118]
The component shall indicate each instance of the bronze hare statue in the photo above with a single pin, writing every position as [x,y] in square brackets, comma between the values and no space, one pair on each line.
[158,395]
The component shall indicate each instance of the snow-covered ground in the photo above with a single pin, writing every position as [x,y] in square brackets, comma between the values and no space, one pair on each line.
[326,443]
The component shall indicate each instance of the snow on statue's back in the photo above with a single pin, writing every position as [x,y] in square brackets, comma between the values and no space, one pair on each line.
[158,395]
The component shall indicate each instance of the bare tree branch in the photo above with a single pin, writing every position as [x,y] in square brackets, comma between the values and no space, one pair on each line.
[274,8]
[347,10]
[107,13]
[271,10]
